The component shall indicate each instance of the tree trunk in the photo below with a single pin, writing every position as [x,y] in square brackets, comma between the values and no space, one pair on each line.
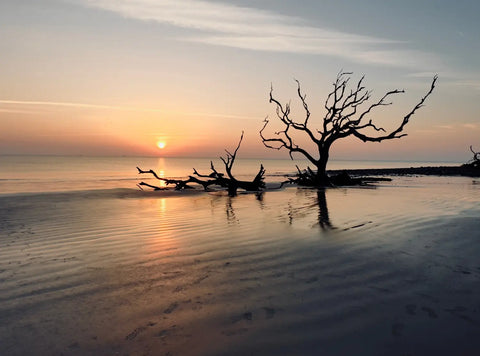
[322,177]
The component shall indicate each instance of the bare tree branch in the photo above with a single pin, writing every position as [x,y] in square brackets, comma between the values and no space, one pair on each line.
[476,155]
[215,178]
[343,118]
[406,119]
[475,161]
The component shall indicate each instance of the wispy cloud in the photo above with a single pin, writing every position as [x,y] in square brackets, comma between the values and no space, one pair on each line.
[67,104]
[466,125]
[14,111]
[472,126]
[429,75]
[23,103]
[225,24]
[469,83]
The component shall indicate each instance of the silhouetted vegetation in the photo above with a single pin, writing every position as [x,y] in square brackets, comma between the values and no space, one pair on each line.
[347,114]
[342,119]
[475,161]
[214,178]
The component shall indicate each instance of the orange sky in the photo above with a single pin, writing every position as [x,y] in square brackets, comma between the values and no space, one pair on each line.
[103,78]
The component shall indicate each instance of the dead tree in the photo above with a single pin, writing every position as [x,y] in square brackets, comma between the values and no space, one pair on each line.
[475,161]
[215,178]
[343,118]
[233,184]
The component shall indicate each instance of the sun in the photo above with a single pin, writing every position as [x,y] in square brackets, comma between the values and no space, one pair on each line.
[161,145]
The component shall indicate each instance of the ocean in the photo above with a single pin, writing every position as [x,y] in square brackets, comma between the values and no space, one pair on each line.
[92,265]
[27,174]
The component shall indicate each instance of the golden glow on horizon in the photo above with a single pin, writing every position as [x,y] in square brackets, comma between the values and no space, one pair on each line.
[161,144]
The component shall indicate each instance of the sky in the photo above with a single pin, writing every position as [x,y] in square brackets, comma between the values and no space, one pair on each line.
[117,77]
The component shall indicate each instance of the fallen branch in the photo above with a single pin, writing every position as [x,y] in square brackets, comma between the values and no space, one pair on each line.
[179,184]
[215,178]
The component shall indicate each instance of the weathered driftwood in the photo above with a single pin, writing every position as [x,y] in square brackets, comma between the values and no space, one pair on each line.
[338,179]
[215,178]
[179,184]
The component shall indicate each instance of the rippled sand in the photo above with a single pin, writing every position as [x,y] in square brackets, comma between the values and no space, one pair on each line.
[357,271]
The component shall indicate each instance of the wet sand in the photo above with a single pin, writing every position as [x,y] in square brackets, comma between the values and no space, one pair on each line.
[392,270]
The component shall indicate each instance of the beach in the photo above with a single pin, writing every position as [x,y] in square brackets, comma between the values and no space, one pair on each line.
[236,178]
[390,269]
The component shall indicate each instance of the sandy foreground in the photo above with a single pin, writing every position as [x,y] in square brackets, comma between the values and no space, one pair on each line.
[391,270]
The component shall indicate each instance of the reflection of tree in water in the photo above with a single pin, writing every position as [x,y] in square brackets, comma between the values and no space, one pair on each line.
[230,211]
[259,197]
[317,202]
[231,217]
[323,216]
[313,202]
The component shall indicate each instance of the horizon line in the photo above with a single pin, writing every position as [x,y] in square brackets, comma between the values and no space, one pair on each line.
[215,157]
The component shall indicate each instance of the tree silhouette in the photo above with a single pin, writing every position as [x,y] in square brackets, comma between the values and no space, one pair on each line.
[343,118]
[215,178]
[475,161]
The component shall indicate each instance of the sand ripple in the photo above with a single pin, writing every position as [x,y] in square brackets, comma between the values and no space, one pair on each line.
[372,271]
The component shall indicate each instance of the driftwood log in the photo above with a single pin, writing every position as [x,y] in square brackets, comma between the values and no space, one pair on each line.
[215,178]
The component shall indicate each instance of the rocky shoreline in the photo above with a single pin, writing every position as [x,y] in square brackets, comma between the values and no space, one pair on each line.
[436,171]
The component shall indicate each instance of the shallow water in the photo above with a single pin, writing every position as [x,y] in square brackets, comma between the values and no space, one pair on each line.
[20,174]
[372,271]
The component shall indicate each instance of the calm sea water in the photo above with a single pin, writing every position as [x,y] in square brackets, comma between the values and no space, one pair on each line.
[90,270]
[24,174]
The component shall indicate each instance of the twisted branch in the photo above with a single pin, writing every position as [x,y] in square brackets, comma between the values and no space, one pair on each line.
[341,119]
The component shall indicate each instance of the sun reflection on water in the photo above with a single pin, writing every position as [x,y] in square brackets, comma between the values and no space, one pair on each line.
[162,183]
[162,205]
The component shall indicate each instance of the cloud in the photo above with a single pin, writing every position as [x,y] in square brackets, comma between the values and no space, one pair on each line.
[469,83]
[224,24]
[428,75]
[466,125]
[67,104]
[469,80]
[109,107]
[14,111]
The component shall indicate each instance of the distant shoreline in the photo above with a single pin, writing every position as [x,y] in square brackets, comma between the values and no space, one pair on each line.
[435,171]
